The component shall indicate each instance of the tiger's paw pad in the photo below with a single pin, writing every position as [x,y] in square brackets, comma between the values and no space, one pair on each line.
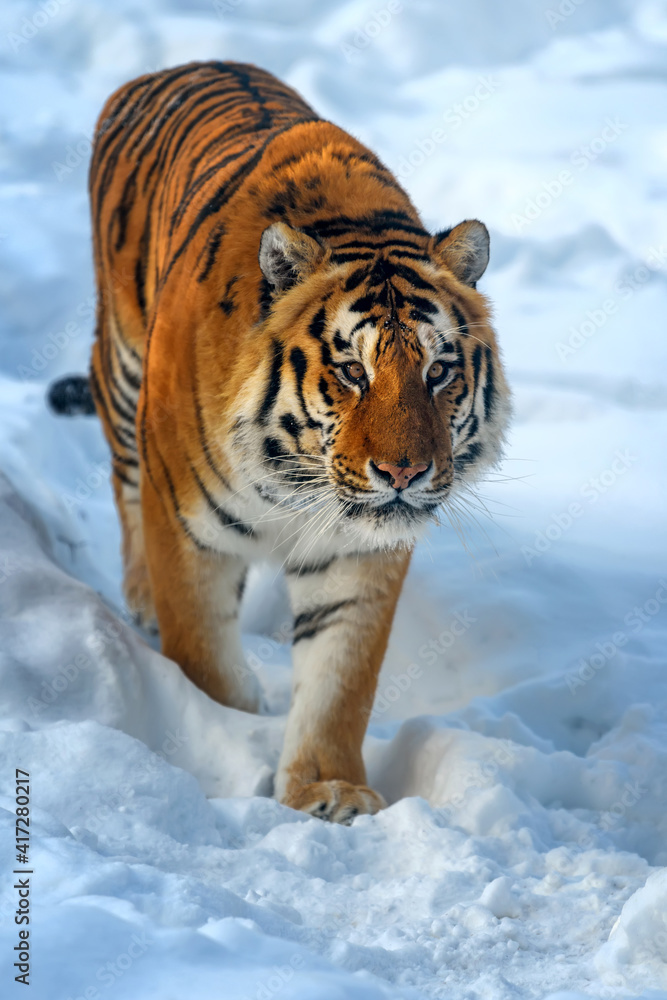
[335,801]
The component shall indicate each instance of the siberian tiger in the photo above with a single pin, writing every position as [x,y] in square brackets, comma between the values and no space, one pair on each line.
[288,367]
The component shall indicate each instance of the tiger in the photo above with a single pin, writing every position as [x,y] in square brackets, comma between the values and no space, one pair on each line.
[289,369]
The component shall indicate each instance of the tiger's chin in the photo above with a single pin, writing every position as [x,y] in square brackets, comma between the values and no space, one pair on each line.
[392,525]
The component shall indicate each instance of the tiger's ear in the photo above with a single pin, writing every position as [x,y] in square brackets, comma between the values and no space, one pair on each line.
[463,250]
[286,256]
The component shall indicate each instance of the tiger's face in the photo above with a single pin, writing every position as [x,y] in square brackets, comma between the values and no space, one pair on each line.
[383,392]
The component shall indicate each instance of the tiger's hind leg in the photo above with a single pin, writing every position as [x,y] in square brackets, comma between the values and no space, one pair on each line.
[198,594]
[115,381]
[136,580]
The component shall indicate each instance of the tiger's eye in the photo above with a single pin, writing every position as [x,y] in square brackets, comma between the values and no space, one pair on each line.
[354,371]
[436,371]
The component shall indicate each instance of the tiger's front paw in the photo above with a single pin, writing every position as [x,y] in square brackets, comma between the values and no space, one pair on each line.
[335,801]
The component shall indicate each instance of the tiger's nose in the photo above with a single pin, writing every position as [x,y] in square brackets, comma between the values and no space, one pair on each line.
[401,475]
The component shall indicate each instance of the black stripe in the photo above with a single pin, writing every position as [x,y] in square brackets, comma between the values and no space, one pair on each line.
[124,478]
[113,384]
[265,300]
[127,415]
[355,279]
[460,319]
[462,395]
[227,303]
[424,305]
[351,257]
[361,323]
[121,213]
[131,378]
[412,276]
[379,244]
[363,304]
[310,569]
[274,451]
[192,190]
[310,623]
[420,317]
[317,323]
[212,247]
[119,433]
[201,430]
[471,425]
[489,385]
[379,223]
[225,519]
[177,509]
[340,343]
[300,366]
[142,257]
[273,384]
[323,386]
[476,366]
[461,462]
[132,462]
[410,254]
[290,424]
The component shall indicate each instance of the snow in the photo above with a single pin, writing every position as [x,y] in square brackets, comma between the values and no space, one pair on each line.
[520,728]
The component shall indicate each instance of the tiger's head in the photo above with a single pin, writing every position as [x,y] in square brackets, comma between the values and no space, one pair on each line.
[381,393]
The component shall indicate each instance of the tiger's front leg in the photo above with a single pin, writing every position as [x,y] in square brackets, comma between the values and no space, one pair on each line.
[342,620]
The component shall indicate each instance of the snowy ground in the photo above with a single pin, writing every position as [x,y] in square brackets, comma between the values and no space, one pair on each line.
[520,729]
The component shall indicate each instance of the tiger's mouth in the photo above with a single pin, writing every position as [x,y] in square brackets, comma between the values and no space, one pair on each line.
[394,509]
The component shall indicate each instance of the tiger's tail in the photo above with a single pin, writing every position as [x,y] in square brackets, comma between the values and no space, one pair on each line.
[71,396]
